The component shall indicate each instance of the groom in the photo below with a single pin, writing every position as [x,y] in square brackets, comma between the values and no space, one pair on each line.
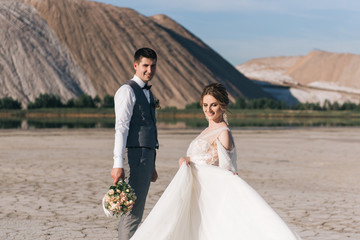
[135,129]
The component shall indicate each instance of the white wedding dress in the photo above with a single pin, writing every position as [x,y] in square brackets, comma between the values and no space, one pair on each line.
[206,201]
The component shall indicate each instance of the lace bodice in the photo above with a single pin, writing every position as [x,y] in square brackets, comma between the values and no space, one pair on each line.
[207,149]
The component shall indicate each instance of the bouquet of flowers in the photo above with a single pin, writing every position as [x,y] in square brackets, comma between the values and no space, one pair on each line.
[119,199]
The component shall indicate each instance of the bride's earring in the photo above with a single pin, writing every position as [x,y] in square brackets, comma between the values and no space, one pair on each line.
[225,118]
[206,117]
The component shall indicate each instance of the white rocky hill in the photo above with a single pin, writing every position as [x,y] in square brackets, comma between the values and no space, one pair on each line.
[316,77]
[33,60]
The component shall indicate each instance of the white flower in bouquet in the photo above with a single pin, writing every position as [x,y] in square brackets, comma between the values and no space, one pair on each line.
[119,199]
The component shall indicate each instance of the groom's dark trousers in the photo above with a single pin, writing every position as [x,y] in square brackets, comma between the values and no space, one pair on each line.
[141,163]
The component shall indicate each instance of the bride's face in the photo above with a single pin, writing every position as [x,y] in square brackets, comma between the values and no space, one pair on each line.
[212,108]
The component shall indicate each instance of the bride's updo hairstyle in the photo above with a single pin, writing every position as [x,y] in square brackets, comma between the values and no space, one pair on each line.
[218,91]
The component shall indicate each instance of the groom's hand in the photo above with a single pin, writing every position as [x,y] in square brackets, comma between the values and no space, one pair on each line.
[116,174]
[154,175]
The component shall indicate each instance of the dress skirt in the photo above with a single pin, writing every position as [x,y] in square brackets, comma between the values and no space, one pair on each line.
[205,202]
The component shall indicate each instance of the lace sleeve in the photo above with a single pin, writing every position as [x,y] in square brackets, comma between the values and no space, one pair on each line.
[227,159]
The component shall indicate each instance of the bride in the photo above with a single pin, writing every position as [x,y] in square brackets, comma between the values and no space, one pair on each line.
[206,199]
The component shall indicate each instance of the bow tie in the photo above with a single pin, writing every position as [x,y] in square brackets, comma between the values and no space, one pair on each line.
[147,87]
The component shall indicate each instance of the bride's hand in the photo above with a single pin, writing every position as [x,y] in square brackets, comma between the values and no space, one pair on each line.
[184,159]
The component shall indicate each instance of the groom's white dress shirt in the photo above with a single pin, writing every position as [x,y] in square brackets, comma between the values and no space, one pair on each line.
[124,104]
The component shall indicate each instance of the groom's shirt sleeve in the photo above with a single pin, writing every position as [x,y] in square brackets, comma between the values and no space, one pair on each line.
[124,104]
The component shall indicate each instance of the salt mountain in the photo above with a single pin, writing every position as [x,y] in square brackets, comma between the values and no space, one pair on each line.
[70,47]
[32,59]
[316,77]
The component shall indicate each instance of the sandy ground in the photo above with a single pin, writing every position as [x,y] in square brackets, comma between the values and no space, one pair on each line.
[52,181]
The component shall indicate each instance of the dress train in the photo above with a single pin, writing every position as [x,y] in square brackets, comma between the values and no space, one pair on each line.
[205,202]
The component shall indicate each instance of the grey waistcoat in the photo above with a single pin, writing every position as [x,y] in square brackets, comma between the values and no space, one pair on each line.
[142,129]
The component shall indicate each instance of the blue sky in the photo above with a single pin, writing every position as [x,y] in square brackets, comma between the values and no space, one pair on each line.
[240,30]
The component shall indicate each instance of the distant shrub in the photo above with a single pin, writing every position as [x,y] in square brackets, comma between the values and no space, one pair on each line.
[194,105]
[9,103]
[108,102]
[310,106]
[258,103]
[46,101]
[350,106]
[84,101]
[97,101]
[240,103]
[169,109]
[70,103]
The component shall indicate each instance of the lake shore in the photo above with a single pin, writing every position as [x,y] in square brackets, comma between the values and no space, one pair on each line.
[52,180]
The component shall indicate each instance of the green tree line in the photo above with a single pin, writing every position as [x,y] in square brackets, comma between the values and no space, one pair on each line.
[86,101]
[52,101]
[268,103]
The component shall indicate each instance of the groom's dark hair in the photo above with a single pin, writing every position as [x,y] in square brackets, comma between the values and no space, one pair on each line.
[144,52]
